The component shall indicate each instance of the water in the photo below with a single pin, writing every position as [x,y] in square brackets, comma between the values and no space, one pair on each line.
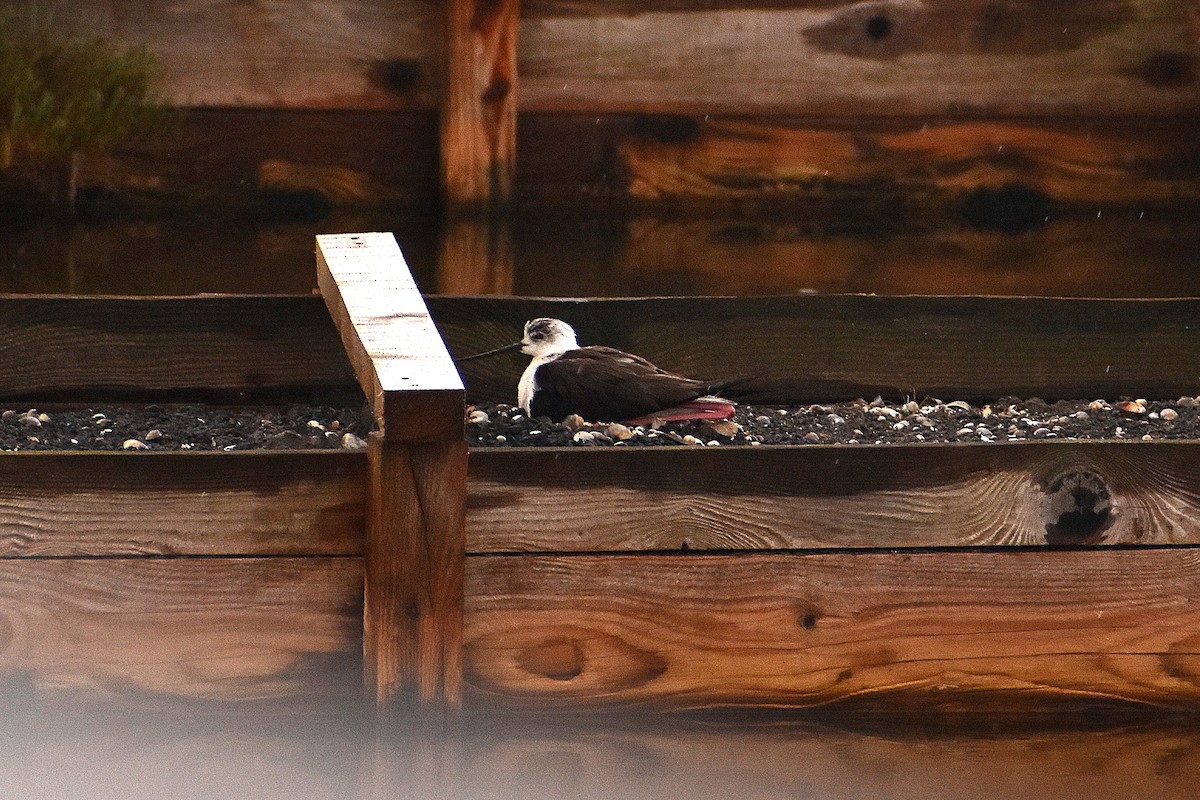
[1126,254]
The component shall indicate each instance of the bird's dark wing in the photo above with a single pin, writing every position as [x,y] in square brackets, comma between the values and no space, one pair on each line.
[602,384]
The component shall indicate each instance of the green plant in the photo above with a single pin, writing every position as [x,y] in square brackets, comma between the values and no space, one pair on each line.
[64,96]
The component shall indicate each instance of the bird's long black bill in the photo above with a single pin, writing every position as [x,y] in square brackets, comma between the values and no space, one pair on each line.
[505,349]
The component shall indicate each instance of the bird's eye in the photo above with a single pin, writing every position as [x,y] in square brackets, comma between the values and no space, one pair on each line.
[537,336]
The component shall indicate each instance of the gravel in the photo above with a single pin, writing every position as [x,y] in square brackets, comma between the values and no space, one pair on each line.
[860,422]
[184,427]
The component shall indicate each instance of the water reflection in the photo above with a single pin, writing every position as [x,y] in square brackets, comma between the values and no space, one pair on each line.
[1123,254]
[343,755]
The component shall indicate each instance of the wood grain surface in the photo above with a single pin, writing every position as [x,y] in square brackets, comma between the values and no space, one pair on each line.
[885,58]
[926,495]
[479,102]
[176,504]
[809,349]
[882,58]
[401,362]
[214,628]
[414,584]
[908,629]
[122,348]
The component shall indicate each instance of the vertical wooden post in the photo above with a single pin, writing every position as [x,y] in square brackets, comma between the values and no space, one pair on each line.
[479,102]
[475,256]
[412,626]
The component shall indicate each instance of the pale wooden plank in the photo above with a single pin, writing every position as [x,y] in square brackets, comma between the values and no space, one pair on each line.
[929,495]
[809,349]
[887,59]
[936,631]
[393,346]
[479,102]
[175,503]
[110,348]
[150,628]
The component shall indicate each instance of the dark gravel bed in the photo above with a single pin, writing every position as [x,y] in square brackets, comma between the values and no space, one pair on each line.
[861,422]
[184,427]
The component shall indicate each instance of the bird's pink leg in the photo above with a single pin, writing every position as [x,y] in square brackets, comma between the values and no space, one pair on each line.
[697,409]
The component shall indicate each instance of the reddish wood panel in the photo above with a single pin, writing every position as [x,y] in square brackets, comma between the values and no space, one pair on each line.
[479,102]
[228,629]
[929,495]
[414,595]
[119,348]
[946,631]
[808,349]
[175,504]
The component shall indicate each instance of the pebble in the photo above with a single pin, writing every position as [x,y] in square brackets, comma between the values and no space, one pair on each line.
[834,419]
[316,426]
[30,422]
[725,427]
[134,444]
[1132,406]
[352,442]
[477,417]
[501,438]
[9,415]
[1043,433]
[1147,438]
[618,431]
[1169,414]
[812,437]
[573,422]
[689,439]
[763,419]
[910,408]
[43,417]
[1081,415]
[961,405]
[153,435]
[582,437]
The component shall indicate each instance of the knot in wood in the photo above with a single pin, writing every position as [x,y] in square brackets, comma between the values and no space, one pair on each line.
[1078,508]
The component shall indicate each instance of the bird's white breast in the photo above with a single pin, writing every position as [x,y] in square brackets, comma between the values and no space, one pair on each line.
[528,383]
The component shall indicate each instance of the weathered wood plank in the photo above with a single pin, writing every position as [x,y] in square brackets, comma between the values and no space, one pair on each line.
[479,102]
[310,54]
[887,57]
[1060,493]
[395,350]
[808,349]
[734,162]
[108,348]
[413,614]
[175,504]
[929,630]
[211,628]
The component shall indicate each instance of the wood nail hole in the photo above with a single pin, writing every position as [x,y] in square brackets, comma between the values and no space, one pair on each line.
[878,27]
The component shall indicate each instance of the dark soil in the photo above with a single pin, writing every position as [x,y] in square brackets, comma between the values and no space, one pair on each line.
[862,422]
[184,427]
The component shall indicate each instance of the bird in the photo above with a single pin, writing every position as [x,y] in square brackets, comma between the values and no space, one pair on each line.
[603,384]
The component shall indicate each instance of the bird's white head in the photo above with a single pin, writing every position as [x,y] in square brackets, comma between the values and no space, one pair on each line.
[546,337]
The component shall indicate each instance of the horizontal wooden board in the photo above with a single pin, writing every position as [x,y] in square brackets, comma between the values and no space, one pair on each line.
[808,349]
[175,503]
[878,58]
[889,57]
[931,495]
[152,628]
[875,630]
[310,54]
[259,160]
[113,348]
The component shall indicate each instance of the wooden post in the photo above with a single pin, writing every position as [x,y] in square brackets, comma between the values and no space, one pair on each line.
[476,257]
[412,626]
[479,102]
